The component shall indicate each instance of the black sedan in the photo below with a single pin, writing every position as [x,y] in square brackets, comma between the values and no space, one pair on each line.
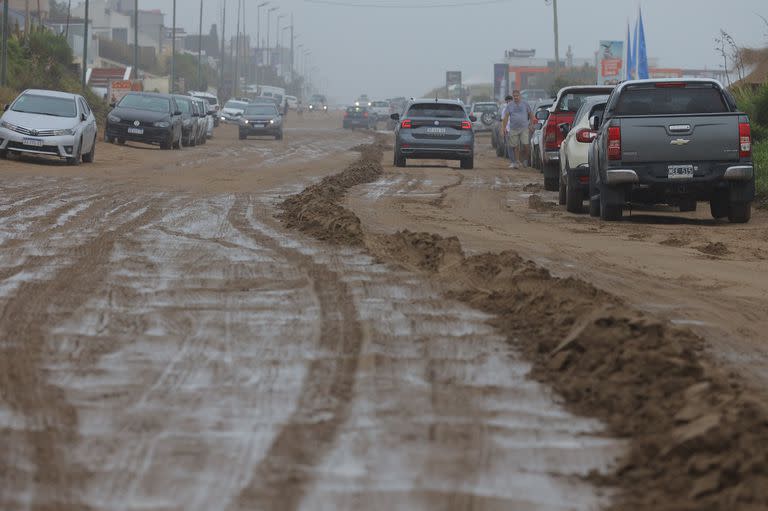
[261,119]
[358,117]
[146,117]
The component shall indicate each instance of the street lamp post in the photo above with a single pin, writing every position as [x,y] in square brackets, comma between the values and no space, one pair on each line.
[85,43]
[173,50]
[269,18]
[136,39]
[258,39]
[4,66]
[200,50]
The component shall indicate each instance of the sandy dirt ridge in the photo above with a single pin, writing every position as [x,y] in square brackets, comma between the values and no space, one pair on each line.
[699,436]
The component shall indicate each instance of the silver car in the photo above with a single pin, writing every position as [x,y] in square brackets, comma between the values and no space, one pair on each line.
[49,123]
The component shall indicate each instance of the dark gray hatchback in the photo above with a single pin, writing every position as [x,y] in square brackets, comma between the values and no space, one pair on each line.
[434,129]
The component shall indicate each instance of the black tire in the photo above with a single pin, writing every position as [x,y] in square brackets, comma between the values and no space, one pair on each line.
[242,136]
[165,146]
[719,204]
[609,212]
[561,192]
[687,205]
[399,159]
[574,202]
[120,141]
[77,157]
[4,154]
[91,155]
[279,136]
[107,138]
[192,141]
[551,184]
[468,163]
[739,212]
[594,207]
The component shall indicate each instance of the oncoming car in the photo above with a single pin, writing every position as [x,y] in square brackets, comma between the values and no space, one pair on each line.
[261,119]
[434,129]
[49,123]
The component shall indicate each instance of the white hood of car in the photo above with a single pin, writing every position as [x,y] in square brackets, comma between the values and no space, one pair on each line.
[232,111]
[39,121]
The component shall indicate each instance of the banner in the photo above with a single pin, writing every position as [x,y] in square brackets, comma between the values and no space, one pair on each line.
[119,88]
[500,81]
[453,81]
[610,62]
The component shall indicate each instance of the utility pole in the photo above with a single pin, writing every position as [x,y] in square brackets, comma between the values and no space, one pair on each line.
[557,38]
[246,51]
[4,65]
[223,49]
[136,39]
[292,42]
[69,15]
[85,44]
[269,19]
[235,88]
[259,51]
[173,51]
[200,50]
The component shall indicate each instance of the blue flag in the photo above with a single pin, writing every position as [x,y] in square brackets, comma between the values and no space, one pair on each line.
[642,58]
[633,69]
[629,63]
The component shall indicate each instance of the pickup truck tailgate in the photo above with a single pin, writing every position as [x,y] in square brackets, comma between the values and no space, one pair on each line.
[683,139]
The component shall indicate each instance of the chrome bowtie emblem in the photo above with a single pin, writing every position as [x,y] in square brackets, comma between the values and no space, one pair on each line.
[680,141]
[437,123]
[136,123]
[33,133]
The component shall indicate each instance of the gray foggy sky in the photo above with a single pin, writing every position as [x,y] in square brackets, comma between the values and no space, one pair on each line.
[387,52]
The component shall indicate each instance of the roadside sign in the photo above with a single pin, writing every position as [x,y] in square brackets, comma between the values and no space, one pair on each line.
[119,88]
[610,62]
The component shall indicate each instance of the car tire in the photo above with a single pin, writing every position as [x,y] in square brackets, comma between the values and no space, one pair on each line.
[77,157]
[551,184]
[561,192]
[120,141]
[468,163]
[739,212]
[574,201]
[279,136]
[687,205]
[399,160]
[609,212]
[718,204]
[165,146]
[91,155]
[3,154]
[242,136]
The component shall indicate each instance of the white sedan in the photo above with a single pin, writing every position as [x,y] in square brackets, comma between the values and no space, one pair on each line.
[49,123]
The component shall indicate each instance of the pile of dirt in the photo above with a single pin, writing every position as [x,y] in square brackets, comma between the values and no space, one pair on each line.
[674,241]
[714,249]
[533,187]
[537,203]
[315,210]
[698,437]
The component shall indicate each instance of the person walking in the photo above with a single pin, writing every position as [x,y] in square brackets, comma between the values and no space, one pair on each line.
[518,122]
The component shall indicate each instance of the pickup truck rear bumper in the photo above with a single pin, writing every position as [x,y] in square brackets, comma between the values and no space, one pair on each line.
[739,173]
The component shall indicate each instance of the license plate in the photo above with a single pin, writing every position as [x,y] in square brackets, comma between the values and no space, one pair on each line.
[136,131]
[436,131]
[34,142]
[680,171]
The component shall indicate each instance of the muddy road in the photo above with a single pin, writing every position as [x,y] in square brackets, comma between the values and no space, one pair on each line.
[167,344]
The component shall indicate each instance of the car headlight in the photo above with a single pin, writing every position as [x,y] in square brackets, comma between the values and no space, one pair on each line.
[245,121]
[271,121]
[113,118]
[311,107]
[7,125]
[61,133]
[162,124]
[325,108]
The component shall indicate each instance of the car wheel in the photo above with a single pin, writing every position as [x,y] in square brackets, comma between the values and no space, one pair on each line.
[75,160]
[718,204]
[468,163]
[739,212]
[121,141]
[279,136]
[609,212]
[551,184]
[399,159]
[3,154]
[687,205]
[166,145]
[573,198]
[561,192]
[91,155]
[242,136]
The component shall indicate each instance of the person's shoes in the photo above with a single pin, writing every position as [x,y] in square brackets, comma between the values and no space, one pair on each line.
[513,165]
[526,164]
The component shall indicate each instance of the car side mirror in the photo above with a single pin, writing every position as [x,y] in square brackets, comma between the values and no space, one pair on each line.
[473,118]
[594,122]
[395,117]
[83,117]
[542,115]
[6,107]
[564,128]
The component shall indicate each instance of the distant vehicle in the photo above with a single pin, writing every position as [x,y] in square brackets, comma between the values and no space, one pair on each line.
[363,100]
[278,93]
[293,102]
[435,129]
[146,117]
[261,119]
[672,142]
[484,112]
[206,119]
[213,104]
[269,100]
[380,110]
[358,117]
[49,123]
[541,112]
[568,101]
[233,110]
[574,154]
[318,103]
[190,126]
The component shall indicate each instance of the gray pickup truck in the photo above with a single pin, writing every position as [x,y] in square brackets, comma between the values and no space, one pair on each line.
[672,142]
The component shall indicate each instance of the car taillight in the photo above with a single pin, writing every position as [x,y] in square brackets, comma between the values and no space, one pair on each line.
[466,125]
[614,143]
[365,114]
[586,136]
[346,114]
[550,136]
[406,124]
[745,140]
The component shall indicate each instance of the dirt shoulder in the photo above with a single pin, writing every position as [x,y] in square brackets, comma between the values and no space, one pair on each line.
[697,433]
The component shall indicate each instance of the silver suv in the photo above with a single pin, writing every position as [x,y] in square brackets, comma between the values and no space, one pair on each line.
[434,129]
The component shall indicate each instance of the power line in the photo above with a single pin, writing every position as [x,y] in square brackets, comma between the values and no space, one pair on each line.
[376,5]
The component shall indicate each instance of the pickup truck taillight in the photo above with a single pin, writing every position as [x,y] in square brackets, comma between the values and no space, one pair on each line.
[365,114]
[745,140]
[466,125]
[586,136]
[406,124]
[550,136]
[346,114]
[614,143]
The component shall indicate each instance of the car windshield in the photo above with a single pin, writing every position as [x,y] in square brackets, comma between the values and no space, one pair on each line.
[150,103]
[572,101]
[235,105]
[261,110]
[437,110]
[45,105]
[670,100]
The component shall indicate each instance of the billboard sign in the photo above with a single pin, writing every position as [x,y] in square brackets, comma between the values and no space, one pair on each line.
[453,80]
[610,62]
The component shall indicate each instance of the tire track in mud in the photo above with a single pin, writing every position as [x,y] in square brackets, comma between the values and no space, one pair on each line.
[51,423]
[443,191]
[280,480]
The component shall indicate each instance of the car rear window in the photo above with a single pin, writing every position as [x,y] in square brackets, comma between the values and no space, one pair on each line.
[45,105]
[572,101]
[150,103]
[212,101]
[487,107]
[670,101]
[437,110]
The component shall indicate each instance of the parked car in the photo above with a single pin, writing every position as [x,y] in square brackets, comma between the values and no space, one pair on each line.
[146,117]
[568,101]
[358,117]
[574,154]
[484,112]
[206,120]
[434,128]
[672,142]
[190,125]
[261,119]
[233,110]
[379,110]
[212,103]
[541,112]
[293,102]
[49,123]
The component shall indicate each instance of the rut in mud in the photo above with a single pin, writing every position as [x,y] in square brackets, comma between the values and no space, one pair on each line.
[699,437]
